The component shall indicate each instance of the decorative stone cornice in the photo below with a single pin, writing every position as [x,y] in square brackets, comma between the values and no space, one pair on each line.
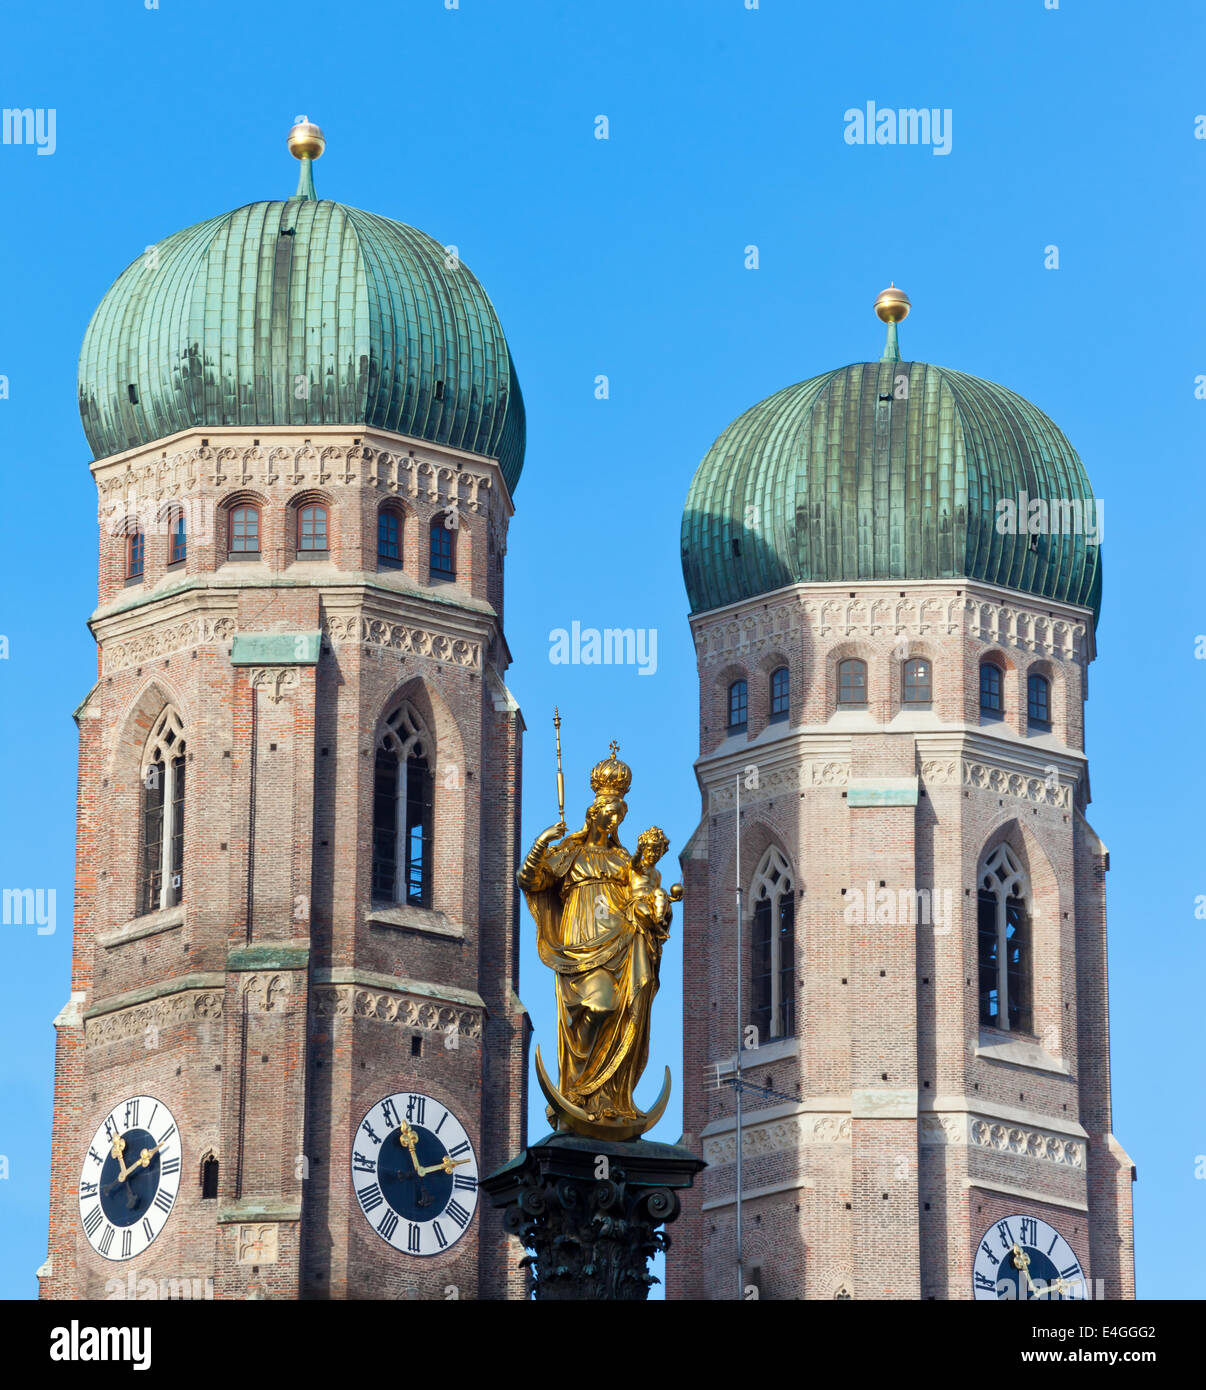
[394,1006]
[873,613]
[420,477]
[792,1132]
[1042,791]
[120,1025]
[821,772]
[158,639]
[784,1135]
[981,1132]
[407,638]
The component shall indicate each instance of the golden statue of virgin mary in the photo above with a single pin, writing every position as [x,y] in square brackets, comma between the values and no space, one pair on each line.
[602,916]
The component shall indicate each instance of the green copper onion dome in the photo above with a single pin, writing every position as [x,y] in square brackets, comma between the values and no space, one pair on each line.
[302,312]
[888,470]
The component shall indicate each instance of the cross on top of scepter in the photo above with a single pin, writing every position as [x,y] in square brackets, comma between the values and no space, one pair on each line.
[614,746]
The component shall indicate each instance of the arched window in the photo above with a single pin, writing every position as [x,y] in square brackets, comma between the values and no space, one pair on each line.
[209,1178]
[244,537]
[312,529]
[136,551]
[773,979]
[443,545]
[403,792]
[991,704]
[780,693]
[177,538]
[1038,702]
[1004,943]
[389,538]
[161,858]
[739,706]
[852,682]
[918,687]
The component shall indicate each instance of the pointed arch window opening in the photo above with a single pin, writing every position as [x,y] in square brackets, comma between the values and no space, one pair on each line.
[403,812]
[1005,947]
[161,872]
[774,948]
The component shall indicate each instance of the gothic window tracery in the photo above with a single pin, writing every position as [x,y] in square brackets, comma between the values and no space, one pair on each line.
[161,857]
[1004,941]
[403,810]
[774,947]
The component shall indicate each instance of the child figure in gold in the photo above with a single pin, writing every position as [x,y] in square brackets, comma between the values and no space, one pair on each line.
[648,906]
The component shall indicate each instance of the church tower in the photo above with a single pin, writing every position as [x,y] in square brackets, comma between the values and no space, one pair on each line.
[894,576]
[293,1040]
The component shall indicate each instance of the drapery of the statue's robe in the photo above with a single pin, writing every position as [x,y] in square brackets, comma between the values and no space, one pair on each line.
[606,977]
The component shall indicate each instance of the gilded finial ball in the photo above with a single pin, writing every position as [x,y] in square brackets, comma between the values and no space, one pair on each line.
[306,140]
[892,305]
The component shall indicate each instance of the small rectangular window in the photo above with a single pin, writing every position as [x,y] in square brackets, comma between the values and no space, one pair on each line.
[738,705]
[136,546]
[178,543]
[780,694]
[245,531]
[442,562]
[389,539]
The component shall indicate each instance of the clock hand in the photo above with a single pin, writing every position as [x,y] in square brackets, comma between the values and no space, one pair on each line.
[409,1140]
[447,1164]
[147,1155]
[1022,1261]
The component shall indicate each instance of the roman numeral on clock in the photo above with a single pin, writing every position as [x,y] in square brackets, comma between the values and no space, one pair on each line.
[389,1113]
[414,1238]
[1006,1235]
[131,1113]
[370,1196]
[458,1213]
[94,1156]
[1072,1272]
[441,1238]
[170,1165]
[92,1220]
[984,1245]
[388,1224]
[416,1108]
[468,1184]
[147,1229]
[127,1243]
[163,1138]
[89,1189]
[164,1200]
[984,1282]
[106,1240]
[362,1164]
[462,1147]
[1029,1230]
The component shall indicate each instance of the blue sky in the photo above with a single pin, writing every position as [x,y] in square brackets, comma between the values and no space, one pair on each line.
[1072,127]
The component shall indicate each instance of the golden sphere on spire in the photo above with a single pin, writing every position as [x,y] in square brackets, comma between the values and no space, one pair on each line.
[892,304]
[306,140]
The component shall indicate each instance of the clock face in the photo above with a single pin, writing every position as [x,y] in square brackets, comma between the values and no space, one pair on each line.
[130,1177]
[1023,1257]
[414,1173]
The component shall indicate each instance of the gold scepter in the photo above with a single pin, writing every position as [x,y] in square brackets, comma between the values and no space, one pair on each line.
[560,775]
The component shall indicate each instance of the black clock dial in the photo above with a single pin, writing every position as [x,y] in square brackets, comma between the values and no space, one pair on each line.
[414,1173]
[1025,1258]
[125,1198]
[124,1202]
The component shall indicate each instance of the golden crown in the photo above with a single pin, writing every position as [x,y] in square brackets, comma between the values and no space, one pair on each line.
[611,777]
